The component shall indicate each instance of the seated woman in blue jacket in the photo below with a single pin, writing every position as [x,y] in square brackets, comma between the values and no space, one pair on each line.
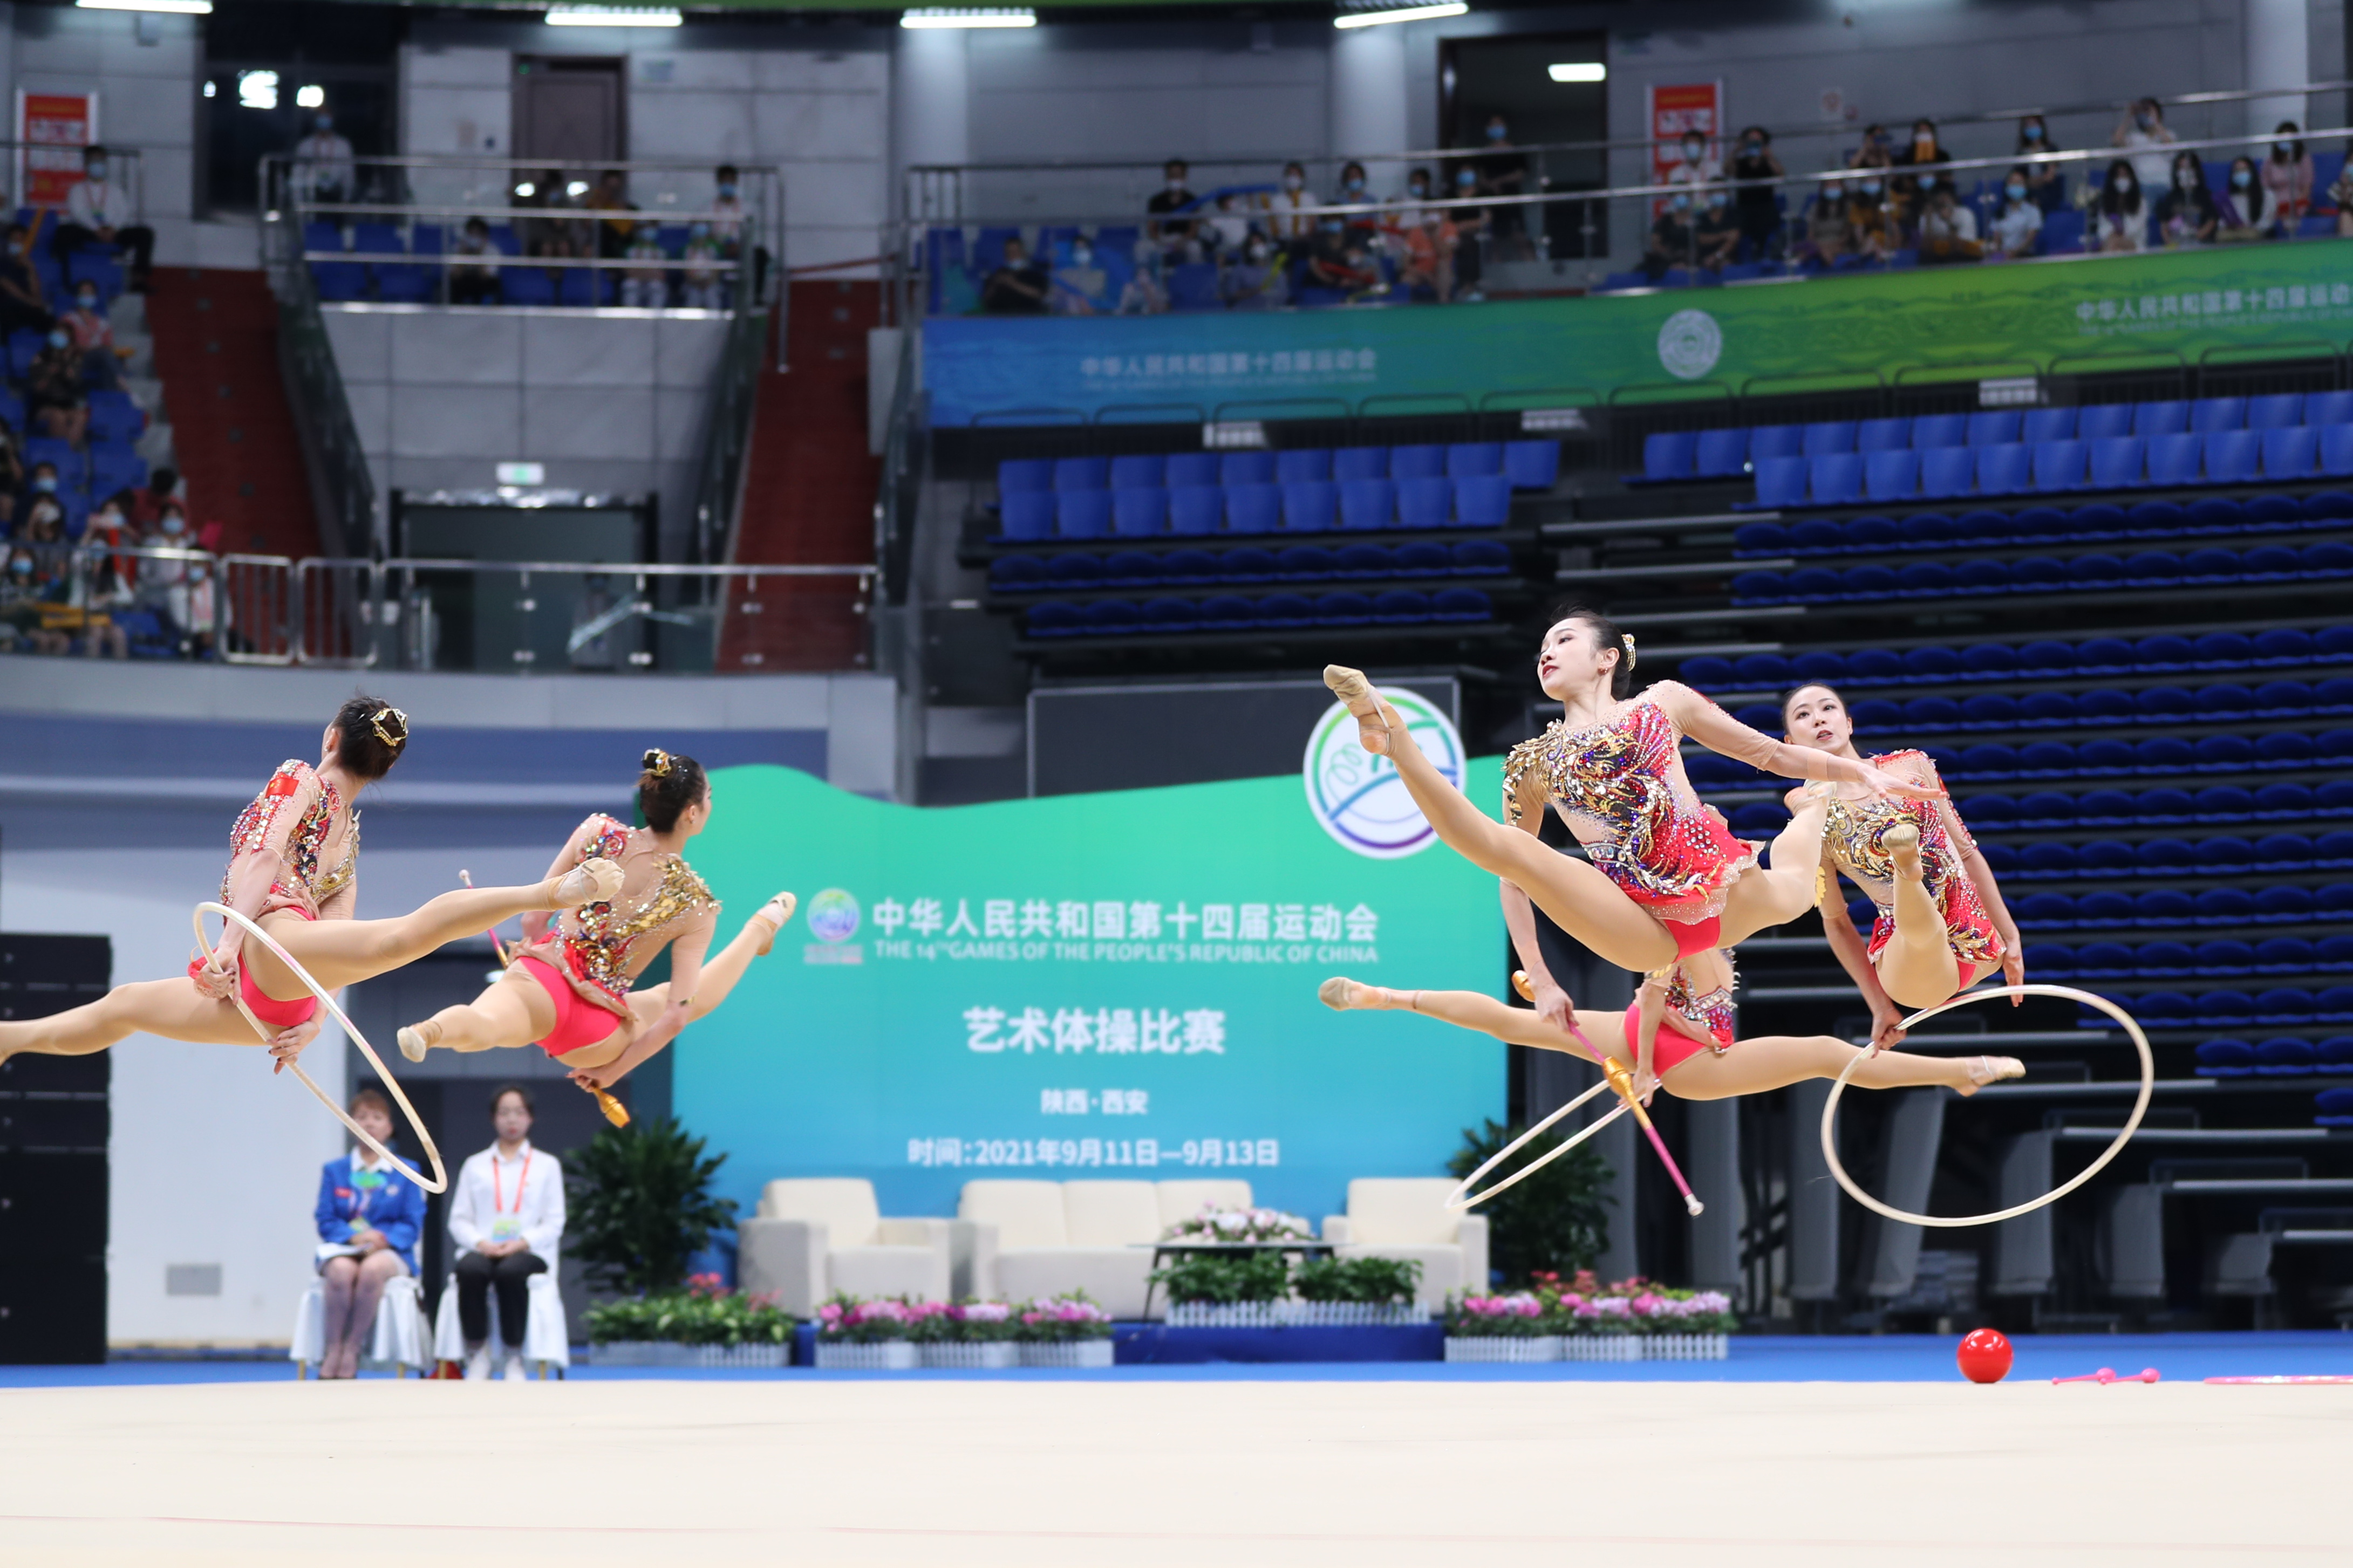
[369,1218]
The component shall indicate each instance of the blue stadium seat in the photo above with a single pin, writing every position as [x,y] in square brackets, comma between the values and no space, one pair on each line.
[1148,472]
[1722,453]
[1417,462]
[1781,481]
[1082,514]
[1052,620]
[1245,469]
[2272,512]
[1343,610]
[2174,460]
[2058,464]
[2001,470]
[1365,561]
[2330,559]
[1835,478]
[1353,463]
[1423,502]
[1168,615]
[1253,507]
[2169,417]
[2210,415]
[2290,452]
[1192,468]
[1111,617]
[2152,568]
[1130,568]
[1196,508]
[1814,585]
[2048,425]
[1286,610]
[1866,582]
[1400,608]
[1932,713]
[2329,407]
[1882,436]
[2046,574]
[2276,411]
[1535,464]
[2102,421]
[2048,709]
[1473,459]
[1776,441]
[1248,563]
[1307,506]
[1189,568]
[1759,588]
[1947,471]
[1483,501]
[1931,663]
[1028,514]
[1873,533]
[2231,455]
[2117,461]
[1367,503]
[1926,580]
[1828,438]
[2336,449]
[1482,557]
[1016,573]
[1460,605]
[1892,474]
[1994,427]
[1930,431]
[1193,286]
[1016,474]
[1139,512]
[1302,465]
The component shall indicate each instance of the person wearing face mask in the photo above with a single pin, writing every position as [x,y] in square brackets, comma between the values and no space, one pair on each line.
[1672,241]
[1694,164]
[2142,133]
[1874,151]
[732,223]
[1356,190]
[1715,232]
[324,169]
[1286,219]
[1424,240]
[22,307]
[646,287]
[2246,207]
[2287,176]
[98,211]
[2119,220]
[1504,173]
[2017,228]
[1911,194]
[1016,287]
[701,286]
[2340,197]
[1877,232]
[194,606]
[1473,228]
[93,338]
[53,388]
[1949,230]
[1259,279]
[1754,163]
[160,578]
[1829,226]
[2046,183]
[1082,288]
[24,620]
[1179,237]
[2186,212]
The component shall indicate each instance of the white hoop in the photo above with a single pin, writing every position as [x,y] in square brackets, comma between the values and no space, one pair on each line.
[1456,1203]
[2132,1122]
[440,1183]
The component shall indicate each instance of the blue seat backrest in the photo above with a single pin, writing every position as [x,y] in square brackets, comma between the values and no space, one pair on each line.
[2166,417]
[1931,430]
[1417,462]
[1828,438]
[2275,410]
[1469,460]
[1994,427]
[2100,420]
[2209,415]
[1246,468]
[1192,468]
[1776,441]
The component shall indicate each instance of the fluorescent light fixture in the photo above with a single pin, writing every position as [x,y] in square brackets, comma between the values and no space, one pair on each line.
[310,96]
[576,188]
[257,90]
[945,16]
[614,16]
[527,190]
[1589,70]
[212,90]
[173,8]
[1401,14]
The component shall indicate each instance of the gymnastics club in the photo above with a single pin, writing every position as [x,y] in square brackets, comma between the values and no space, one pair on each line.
[615,1111]
[1624,1085]
[2107,1374]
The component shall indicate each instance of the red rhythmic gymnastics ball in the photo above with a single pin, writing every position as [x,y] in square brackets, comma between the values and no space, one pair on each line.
[1984,1356]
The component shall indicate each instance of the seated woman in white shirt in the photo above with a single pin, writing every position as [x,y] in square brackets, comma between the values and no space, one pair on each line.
[506,1219]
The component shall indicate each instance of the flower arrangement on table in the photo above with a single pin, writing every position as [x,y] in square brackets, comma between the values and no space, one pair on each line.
[1063,1320]
[706,1312]
[1214,1224]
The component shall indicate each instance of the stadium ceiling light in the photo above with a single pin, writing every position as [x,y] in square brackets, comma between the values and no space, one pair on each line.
[1589,70]
[172,8]
[1399,14]
[614,16]
[941,16]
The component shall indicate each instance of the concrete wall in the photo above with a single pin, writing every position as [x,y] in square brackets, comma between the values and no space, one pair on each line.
[607,402]
[145,71]
[116,789]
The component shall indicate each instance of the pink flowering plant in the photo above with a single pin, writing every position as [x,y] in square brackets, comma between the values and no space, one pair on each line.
[981,1322]
[1519,1315]
[1060,1318]
[1215,1223]
[1637,1306]
[846,1319]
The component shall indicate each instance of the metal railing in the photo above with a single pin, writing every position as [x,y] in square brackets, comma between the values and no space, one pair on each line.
[125,167]
[727,438]
[343,491]
[905,463]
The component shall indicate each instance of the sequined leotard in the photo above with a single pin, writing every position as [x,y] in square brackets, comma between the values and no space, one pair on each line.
[1851,841]
[300,883]
[602,948]
[1621,784]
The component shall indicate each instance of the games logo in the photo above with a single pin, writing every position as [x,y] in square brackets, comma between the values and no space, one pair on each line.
[1690,343]
[1358,797]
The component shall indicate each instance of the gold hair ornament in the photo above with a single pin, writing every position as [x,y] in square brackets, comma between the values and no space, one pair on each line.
[657,762]
[1627,640]
[378,724]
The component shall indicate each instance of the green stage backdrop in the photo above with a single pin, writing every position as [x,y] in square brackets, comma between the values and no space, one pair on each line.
[1109,985]
[1964,320]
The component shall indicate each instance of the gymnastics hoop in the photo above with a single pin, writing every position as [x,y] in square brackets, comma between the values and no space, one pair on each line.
[440,1183]
[2131,1126]
[1456,1203]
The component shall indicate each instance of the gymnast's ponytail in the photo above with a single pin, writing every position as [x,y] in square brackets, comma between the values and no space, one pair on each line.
[668,785]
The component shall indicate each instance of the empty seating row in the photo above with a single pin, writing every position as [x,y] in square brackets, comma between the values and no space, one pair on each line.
[2331,559]
[1724,454]
[1529,465]
[1993,759]
[2287,1056]
[1275,612]
[2044,525]
[2158,807]
[1303,506]
[2169,907]
[2284,647]
[2229,1009]
[2206,960]
[2110,859]
[2226,702]
[2298,453]
[1080,570]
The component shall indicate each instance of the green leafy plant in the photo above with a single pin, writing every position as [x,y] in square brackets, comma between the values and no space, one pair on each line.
[1553,1222]
[706,1313]
[1380,1281]
[1226,1279]
[641,1204]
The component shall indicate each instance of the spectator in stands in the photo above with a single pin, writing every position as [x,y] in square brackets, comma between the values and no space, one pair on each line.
[1226,231]
[1286,220]
[1878,232]
[1015,288]
[611,195]
[160,578]
[2340,197]
[1356,190]
[145,506]
[1504,173]
[1671,243]
[44,482]
[2142,133]
[53,390]
[1338,260]
[1694,163]
[646,287]
[22,307]
[1425,252]
[2246,206]
[24,591]
[93,338]
[98,211]
[369,1218]
[1948,229]
[1259,281]
[1913,193]
[12,478]
[729,230]
[1082,288]
[194,606]
[506,1218]
[2287,178]
[470,282]
[700,288]
[1178,238]
[548,237]
[324,170]
[1715,236]
[101,584]
[1875,151]
[1829,233]
[2119,221]
[2186,213]
[2046,183]
[2017,228]
[1757,205]
[1472,225]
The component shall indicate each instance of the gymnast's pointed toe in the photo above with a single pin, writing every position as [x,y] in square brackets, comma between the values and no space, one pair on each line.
[1348,685]
[590,882]
[1984,1071]
[777,911]
[1902,842]
[1337,993]
[416,1039]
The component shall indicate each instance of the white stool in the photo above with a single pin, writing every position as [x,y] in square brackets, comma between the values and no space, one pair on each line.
[546,1333]
[397,1340]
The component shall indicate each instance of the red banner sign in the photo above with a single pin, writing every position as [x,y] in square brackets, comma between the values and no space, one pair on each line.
[54,127]
[1675,111]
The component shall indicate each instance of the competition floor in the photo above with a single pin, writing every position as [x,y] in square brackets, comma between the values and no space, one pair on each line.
[1226,1465]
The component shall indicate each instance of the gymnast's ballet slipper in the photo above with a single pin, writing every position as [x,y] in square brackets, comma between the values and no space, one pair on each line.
[1902,842]
[775,912]
[1371,715]
[1984,1071]
[1338,993]
[590,882]
[416,1039]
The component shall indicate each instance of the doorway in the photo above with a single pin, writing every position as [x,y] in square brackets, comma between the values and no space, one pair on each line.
[569,110]
[1511,75]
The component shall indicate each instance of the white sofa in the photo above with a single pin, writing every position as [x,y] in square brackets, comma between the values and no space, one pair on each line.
[1407,1217]
[812,1237]
[1020,1240]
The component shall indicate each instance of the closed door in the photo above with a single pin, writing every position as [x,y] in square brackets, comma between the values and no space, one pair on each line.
[568,111]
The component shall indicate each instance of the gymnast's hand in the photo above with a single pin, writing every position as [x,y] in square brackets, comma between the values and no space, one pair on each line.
[1881,782]
[1886,1025]
[1553,1004]
[596,1077]
[287,1044]
[215,977]
[2014,971]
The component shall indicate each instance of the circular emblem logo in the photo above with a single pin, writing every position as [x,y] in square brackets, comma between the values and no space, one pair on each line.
[1357,795]
[1690,343]
[833,916]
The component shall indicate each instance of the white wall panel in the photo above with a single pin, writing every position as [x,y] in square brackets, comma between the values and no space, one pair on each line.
[484,347]
[440,421]
[686,351]
[605,422]
[563,351]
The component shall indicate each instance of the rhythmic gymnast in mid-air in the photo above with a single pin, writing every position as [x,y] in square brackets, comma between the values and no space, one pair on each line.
[293,870]
[569,988]
[1942,925]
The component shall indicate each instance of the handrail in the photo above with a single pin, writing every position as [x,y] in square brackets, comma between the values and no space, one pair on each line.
[727,437]
[343,490]
[904,462]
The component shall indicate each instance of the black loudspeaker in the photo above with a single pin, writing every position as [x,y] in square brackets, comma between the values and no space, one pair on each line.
[53,1168]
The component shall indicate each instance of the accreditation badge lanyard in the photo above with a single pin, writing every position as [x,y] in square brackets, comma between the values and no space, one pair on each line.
[506,1225]
[365,1182]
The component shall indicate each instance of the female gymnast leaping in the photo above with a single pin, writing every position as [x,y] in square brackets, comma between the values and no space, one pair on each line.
[1942,923]
[293,866]
[1666,879]
[568,989]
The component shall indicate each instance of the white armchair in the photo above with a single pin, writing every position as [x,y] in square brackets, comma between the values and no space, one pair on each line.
[815,1236]
[1407,1217]
[1020,1240]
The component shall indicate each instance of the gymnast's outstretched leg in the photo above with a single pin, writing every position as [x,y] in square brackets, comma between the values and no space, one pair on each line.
[172,1008]
[1917,967]
[1774,895]
[722,971]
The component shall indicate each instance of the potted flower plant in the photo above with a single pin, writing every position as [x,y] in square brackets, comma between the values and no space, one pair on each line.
[1499,1328]
[1065,1332]
[1214,1224]
[971,1334]
[1635,1320]
[855,1335]
[705,1325]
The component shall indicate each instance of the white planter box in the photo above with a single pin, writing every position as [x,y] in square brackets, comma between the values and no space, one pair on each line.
[1295,1315]
[882,1355]
[1687,1347]
[1603,1347]
[661,1352]
[982,1354]
[1502,1347]
[1067,1353]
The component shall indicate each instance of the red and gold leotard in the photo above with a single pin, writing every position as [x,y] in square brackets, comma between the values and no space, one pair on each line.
[298,883]
[1851,841]
[1621,788]
[602,948]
